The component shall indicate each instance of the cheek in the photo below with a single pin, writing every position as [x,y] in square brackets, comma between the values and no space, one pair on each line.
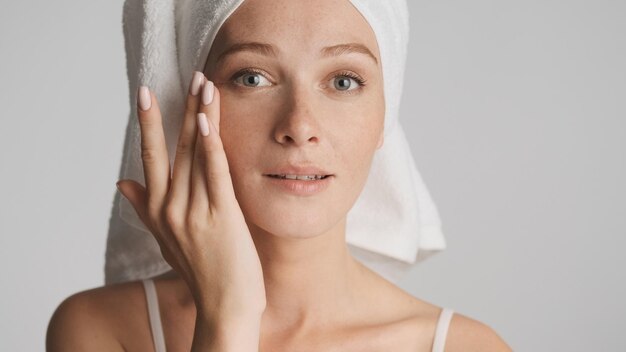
[355,147]
[239,136]
[245,120]
[360,127]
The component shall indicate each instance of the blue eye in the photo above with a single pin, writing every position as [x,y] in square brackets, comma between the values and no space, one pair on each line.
[250,78]
[343,82]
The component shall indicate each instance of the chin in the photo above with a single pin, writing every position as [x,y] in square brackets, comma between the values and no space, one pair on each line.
[288,220]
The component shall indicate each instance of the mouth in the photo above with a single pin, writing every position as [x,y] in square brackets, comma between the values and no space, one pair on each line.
[298,177]
[300,185]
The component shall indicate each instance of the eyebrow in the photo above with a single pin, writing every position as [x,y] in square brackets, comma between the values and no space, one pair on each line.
[269,50]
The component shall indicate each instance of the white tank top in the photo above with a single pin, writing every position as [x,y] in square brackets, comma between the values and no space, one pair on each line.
[159,340]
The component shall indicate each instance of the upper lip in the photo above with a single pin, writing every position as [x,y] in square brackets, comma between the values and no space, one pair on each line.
[298,170]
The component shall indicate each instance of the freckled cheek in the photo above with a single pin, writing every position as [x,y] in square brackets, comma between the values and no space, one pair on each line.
[360,140]
[363,126]
[242,139]
[355,151]
[239,136]
[240,114]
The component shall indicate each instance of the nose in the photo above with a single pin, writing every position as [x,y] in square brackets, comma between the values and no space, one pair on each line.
[298,125]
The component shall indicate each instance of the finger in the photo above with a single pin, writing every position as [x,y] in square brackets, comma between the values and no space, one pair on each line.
[180,187]
[210,106]
[199,198]
[219,182]
[136,195]
[156,164]
[199,201]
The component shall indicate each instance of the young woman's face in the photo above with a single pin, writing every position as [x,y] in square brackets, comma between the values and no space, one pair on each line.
[298,104]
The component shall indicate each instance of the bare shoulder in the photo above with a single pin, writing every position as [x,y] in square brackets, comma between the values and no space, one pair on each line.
[414,323]
[89,320]
[467,334]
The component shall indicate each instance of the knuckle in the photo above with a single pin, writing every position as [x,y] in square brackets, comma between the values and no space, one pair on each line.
[149,155]
[173,217]
[148,126]
[196,222]
[200,158]
[183,147]
[145,119]
[218,175]
[191,107]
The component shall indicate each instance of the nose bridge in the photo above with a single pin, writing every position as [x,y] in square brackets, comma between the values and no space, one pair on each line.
[298,122]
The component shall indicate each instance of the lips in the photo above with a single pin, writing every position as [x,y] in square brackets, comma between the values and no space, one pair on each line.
[298,172]
[300,180]
[300,177]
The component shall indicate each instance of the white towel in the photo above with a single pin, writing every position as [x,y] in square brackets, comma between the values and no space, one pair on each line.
[393,224]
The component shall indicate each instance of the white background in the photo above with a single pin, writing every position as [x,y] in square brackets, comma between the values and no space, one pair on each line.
[515,112]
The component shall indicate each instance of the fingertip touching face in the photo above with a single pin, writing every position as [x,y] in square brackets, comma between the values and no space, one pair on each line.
[301,84]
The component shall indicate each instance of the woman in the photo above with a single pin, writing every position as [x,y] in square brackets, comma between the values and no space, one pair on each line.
[260,260]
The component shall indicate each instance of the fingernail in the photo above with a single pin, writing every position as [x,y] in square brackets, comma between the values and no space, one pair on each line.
[144,98]
[207,93]
[196,83]
[117,184]
[203,124]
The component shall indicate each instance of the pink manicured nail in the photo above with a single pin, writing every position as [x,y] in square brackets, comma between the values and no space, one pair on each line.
[203,124]
[196,83]
[144,98]
[207,93]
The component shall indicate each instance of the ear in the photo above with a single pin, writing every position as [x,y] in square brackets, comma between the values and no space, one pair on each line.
[381,139]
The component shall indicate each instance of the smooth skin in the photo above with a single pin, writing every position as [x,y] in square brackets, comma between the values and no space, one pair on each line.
[256,268]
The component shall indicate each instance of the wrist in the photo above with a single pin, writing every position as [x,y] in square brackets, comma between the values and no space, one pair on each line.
[230,313]
[227,333]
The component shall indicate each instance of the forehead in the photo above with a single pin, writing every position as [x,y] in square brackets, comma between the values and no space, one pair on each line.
[296,24]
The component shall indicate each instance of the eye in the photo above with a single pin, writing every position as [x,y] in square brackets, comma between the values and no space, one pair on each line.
[343,82]
[250,77]
[346,82]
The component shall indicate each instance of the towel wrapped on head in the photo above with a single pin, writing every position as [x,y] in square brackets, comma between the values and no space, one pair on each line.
[394,222]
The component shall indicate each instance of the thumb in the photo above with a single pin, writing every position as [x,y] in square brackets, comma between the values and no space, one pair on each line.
[136,195]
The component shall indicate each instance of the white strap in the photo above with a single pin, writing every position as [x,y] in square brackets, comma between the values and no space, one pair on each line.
[442,329]
[154,315]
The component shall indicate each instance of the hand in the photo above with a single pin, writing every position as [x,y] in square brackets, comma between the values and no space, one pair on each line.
[194,215]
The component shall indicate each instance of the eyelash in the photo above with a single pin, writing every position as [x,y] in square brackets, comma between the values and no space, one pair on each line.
[362,82]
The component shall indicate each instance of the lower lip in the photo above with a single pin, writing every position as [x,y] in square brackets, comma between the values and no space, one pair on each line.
[301,187]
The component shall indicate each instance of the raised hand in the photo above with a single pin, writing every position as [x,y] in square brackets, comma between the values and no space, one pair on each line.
[194,215]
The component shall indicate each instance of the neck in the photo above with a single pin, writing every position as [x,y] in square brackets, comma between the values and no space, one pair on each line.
[308,281]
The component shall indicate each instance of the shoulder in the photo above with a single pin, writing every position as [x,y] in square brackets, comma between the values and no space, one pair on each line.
[89,320]
[415,319]
[467,335]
